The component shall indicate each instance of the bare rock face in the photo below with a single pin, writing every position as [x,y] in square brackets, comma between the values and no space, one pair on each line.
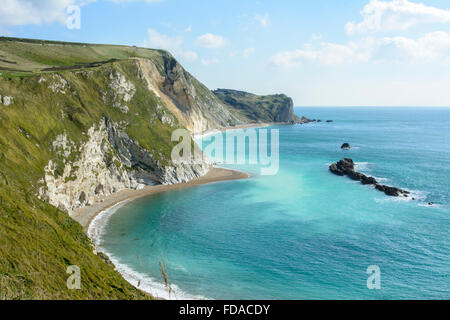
[346,167]
[108,162]
[194,105]
[123,89]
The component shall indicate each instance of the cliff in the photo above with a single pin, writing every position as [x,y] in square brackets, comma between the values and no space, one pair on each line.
[79,122]
[272,108]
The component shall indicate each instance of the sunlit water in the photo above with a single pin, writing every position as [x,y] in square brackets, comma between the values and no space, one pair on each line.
[304,233]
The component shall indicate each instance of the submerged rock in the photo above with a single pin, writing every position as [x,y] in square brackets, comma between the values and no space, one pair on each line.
[346,167]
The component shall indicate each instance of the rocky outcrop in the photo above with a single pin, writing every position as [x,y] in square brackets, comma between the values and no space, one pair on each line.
[346,167]
[391,191]
[346,146]
[272,108]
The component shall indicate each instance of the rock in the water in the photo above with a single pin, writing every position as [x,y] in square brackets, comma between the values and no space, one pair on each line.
[330,121]
[346,167]
[343,167]
[391,191]
[346,146]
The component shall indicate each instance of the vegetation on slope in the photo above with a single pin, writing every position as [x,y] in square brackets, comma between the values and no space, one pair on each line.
[271,108]
[37,241]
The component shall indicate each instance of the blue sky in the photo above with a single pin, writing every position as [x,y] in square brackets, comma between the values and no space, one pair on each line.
[321,52]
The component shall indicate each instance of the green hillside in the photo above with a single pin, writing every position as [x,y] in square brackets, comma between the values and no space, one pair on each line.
[270,108]
[37,241]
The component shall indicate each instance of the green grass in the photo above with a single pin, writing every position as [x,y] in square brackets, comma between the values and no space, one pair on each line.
[35,55]
[37,241]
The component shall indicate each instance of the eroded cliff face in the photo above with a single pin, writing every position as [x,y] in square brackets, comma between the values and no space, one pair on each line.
[110,161]
[195,106]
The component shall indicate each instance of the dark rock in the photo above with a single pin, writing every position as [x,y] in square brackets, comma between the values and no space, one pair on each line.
[355,175]
[368,180]
[346,167]
[346,146]
[343,167]
[82,197]
[99,189]
[330,121]
[391,191]
[430,203]
[336,170]
[304,120]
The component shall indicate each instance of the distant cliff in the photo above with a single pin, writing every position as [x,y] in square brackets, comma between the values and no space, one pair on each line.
[254,108]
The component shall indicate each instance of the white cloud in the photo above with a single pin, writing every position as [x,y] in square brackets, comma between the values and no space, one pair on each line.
[209,62]
[396,15]
[211,41]
[326,54]
[248,52]
[37,12]
[188,56]
[263,20]
[23,12]
[173,44]
[432,47]
[161,41]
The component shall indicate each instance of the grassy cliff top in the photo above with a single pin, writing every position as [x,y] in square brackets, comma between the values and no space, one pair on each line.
[21,57]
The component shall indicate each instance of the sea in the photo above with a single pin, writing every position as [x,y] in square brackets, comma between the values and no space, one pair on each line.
[302,233]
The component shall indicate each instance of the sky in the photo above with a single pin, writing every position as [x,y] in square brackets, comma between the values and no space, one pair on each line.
[319,52]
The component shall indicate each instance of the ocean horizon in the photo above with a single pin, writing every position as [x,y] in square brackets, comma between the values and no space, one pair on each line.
[303,233]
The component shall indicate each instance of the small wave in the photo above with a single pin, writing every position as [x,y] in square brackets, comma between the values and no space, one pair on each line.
[147,284]
[141,281]
[362,166]
[414,196]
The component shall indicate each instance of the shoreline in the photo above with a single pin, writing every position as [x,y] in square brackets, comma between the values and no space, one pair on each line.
[238,127]
[93,218]
[86,215]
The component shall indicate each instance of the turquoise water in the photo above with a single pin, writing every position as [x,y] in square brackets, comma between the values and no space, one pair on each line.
[305,233]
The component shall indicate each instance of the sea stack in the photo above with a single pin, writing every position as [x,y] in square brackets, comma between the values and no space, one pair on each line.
[346,167]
